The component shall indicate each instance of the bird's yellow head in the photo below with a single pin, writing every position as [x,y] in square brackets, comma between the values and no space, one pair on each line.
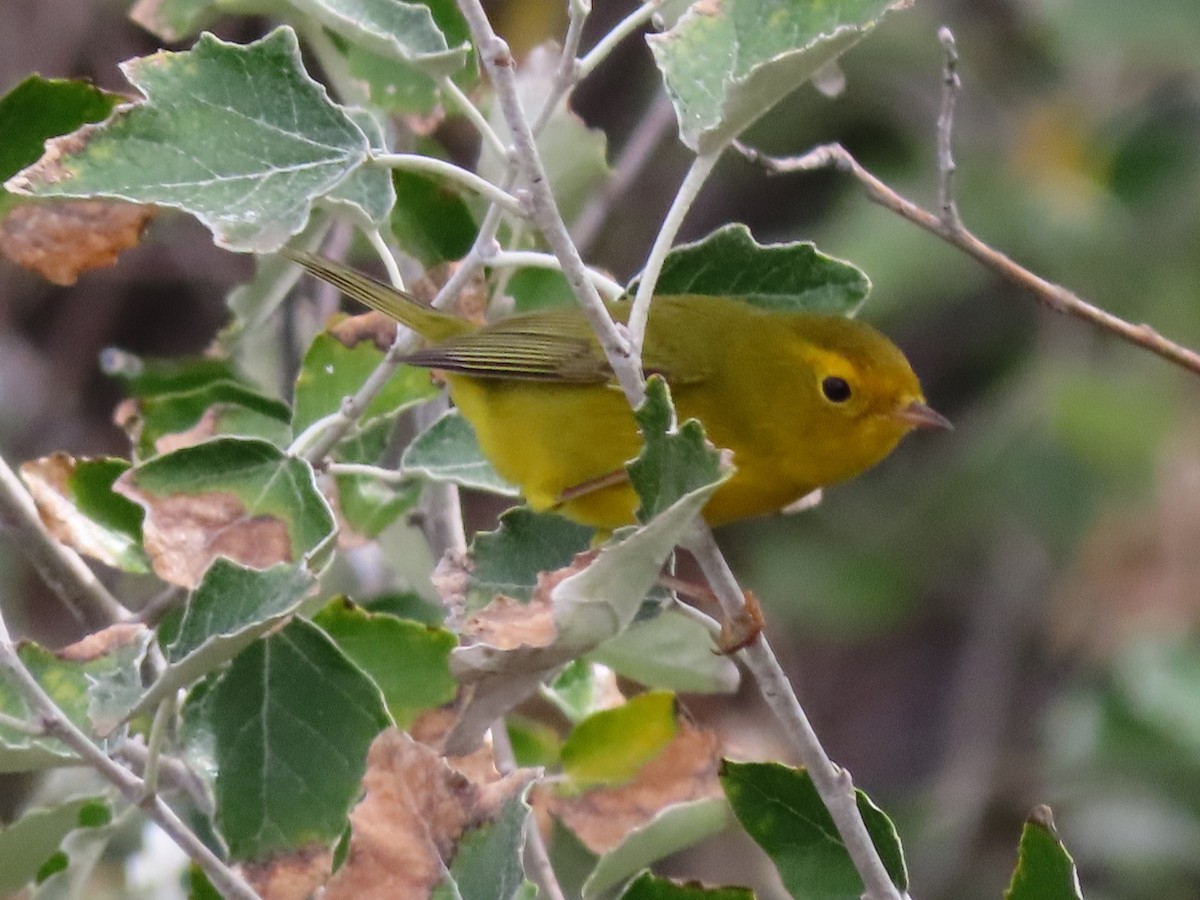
[864,395]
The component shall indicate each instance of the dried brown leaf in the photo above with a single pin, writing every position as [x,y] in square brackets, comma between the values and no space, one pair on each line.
[102,642]
[184,533]
[373,326]
[405,830]
[59,239]
[685,770]
[290,876]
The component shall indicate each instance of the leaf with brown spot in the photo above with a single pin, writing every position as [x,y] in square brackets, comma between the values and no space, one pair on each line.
[415,813]
[172,420]
[674,802]
[242,499]
[76,502]
[685,770]
[61,239]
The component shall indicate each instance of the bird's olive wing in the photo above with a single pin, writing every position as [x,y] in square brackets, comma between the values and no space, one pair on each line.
[552,345]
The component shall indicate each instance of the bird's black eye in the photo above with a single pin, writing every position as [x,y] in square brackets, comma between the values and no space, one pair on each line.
[835,389]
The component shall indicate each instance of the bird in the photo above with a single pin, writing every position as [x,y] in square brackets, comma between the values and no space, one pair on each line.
[803,400]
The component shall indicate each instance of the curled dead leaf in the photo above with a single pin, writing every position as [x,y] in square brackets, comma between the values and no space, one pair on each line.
[102,642]
[184,533]
[59,239]
[685,770]
[415,810]
[372,326]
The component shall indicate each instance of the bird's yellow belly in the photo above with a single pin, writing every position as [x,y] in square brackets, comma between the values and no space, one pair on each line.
[551,440]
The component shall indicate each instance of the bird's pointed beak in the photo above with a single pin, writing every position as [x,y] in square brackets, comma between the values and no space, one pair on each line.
[917,415]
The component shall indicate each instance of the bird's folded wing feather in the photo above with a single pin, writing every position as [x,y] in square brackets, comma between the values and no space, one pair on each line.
[548,346]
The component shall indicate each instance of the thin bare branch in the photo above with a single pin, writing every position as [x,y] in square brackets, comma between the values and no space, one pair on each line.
[1053,296]
[653,126]
[58,565]
[951,85]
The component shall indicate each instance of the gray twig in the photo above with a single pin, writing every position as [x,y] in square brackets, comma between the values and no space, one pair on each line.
[54,723]
[951,85]
[1053,296]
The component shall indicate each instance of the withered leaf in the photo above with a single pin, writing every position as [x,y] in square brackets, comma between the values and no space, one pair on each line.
[59,239]
[415,810]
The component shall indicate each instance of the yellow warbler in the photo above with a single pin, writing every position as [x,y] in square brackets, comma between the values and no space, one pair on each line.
[802,400]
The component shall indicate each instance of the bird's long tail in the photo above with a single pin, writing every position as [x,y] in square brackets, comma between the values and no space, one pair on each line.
[431,324]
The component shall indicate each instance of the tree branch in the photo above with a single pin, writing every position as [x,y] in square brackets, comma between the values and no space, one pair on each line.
[949,227]
[58,565]
[55,724]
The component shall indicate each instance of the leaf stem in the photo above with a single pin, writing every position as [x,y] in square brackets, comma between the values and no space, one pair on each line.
[56,724]
[619,32]
[415,162]
[531,259]
[474,116]
[566,75]
[689,188]
[58,565]
[379,245]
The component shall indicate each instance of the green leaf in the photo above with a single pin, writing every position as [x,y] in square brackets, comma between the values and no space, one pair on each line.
[370,505]
[232,607]
[780,808]
[672,651]
[727,64]
[367,194]
[649,887]
[410,662]
[215,408]
[534,743]
[507,561]
[673,829]
[574,691]
[390,28]
[430,220]
[675,460]
[487,862]
[239,136]
[332,371]
[539,289]
[790,277]
[68,874]
[141,377]
[573,154]
[75,499]
[91,693]
[244,499]
[1045,870]
[448,450]
[407,605]
[29,842]
[38,109]
[292,720]
[610,746]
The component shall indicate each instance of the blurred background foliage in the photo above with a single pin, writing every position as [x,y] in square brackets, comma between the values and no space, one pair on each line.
[994,618]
